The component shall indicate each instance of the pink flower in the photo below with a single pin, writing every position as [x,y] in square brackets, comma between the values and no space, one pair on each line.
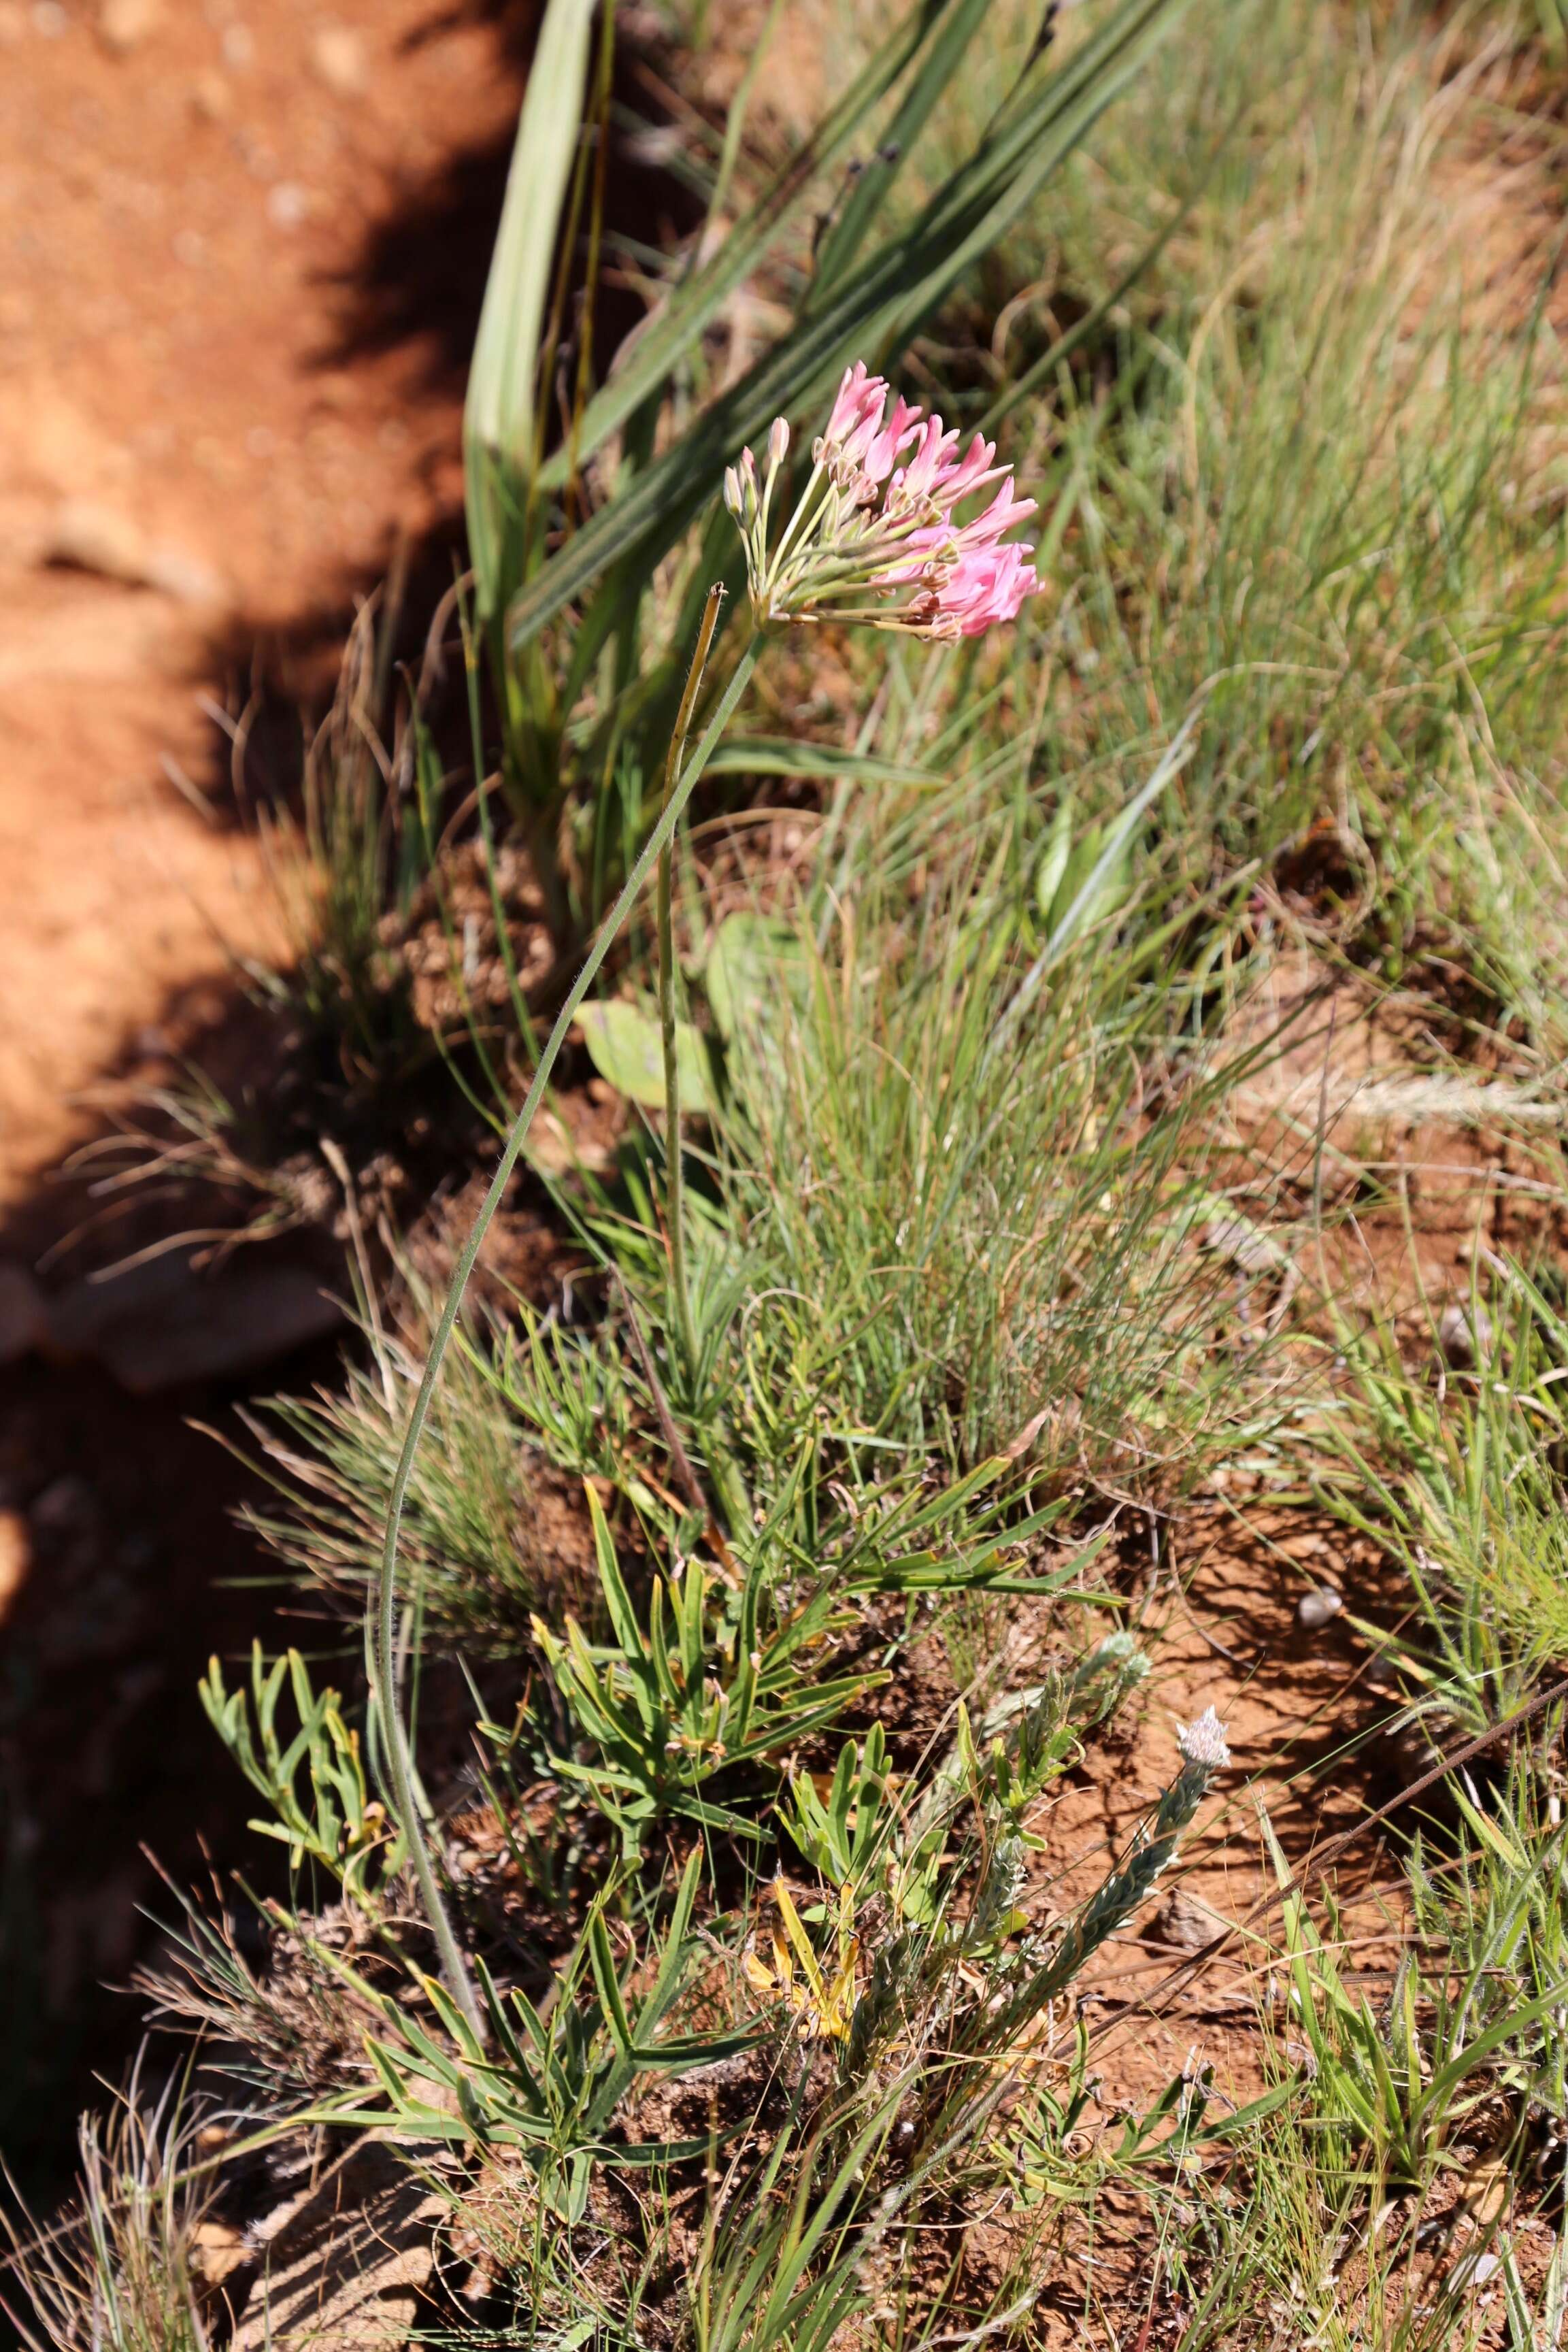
[890,441]
[986,585]
[854,427]
[868,528]
[857,393]
[934,477]
[945,544]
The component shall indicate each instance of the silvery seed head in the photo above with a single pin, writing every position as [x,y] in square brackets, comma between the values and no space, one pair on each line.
[1203,1742]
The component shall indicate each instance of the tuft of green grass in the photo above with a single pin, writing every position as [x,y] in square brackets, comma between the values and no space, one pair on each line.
[479,1561]
[1306,481]
[1454,1464]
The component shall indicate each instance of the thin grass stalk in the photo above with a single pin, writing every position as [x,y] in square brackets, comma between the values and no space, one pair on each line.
[405,1802]
[674,1202]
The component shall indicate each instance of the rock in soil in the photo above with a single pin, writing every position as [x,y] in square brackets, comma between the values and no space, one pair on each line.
[338,60]
[160,1324]
[346,2265]
[1315,1609]
[124,24]
[86,537]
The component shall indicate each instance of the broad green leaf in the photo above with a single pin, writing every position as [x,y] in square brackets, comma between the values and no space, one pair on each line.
[625,1045]
[752,956]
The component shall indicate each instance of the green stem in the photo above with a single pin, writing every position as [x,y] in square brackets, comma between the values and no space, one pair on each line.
[400,1761]
[674,1205]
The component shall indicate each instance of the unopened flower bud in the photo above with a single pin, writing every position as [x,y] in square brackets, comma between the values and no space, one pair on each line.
[777,442]
[732,497]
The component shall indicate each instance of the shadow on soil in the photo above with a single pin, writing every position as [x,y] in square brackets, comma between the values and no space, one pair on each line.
[126,1569]
[122,1561]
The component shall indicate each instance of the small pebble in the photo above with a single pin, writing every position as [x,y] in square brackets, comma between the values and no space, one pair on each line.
[1315,1609]
[124,24]
[1464,1334]
[339,59]
[212,98]
[286,204]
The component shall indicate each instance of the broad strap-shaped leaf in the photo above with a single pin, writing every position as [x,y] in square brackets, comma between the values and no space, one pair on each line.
[884,301]
[680,325]
[499,423]
[928,84]
[776,755]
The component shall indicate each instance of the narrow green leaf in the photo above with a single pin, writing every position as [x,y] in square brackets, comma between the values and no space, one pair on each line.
[602,1959]
[692,1594]
[719,1817]
[776,755]
[616,1600]
[684,2057]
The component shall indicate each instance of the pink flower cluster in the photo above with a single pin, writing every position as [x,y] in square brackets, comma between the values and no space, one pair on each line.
[879,517]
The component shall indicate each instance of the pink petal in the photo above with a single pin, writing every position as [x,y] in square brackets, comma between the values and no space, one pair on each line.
[902,427]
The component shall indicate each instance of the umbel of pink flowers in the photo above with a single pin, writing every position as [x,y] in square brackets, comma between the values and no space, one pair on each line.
[876,537]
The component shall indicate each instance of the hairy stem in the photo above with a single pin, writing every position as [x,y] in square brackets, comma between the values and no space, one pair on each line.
[675,1206]
[398,1757]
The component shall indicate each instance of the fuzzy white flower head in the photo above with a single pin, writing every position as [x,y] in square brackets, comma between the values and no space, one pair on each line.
[1203,1742]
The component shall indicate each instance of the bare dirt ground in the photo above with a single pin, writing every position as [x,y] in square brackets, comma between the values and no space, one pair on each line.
[242,244]
[223,392]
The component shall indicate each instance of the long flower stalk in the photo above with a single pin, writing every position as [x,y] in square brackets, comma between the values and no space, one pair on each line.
[674,1205]
[400,1761]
